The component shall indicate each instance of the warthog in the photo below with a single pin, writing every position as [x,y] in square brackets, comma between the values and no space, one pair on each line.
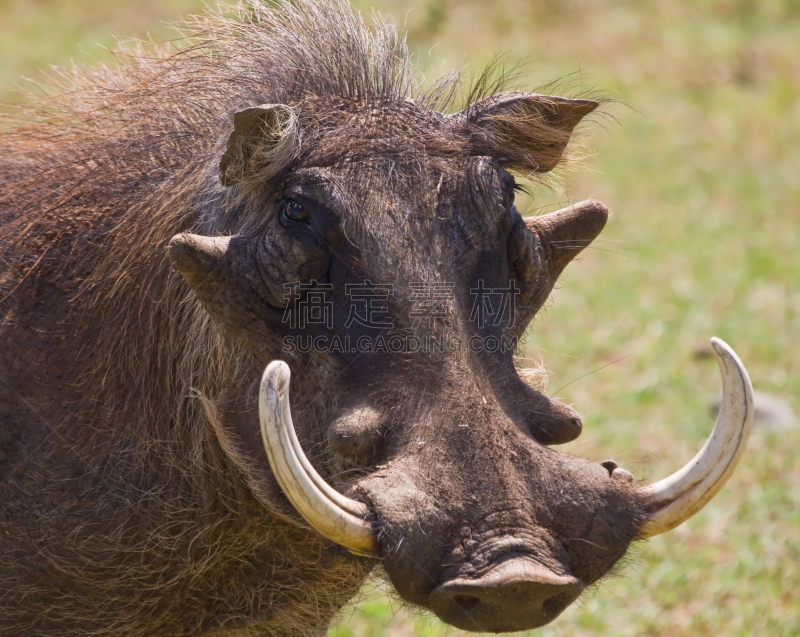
[280,193]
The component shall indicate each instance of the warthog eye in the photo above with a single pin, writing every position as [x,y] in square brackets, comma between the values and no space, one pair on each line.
[509,186]
[292,210]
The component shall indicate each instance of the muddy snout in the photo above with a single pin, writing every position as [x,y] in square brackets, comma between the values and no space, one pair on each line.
[516,593]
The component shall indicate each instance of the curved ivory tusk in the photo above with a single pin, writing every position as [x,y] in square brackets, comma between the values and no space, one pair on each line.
[675,499]
[338,518]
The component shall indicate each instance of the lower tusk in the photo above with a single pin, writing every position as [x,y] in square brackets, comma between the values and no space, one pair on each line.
[675,499]
[338,518]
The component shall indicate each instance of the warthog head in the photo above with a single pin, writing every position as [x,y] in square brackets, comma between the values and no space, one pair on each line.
[371,242]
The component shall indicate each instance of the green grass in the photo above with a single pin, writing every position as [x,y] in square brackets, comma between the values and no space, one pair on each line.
[39,34]
[702,175]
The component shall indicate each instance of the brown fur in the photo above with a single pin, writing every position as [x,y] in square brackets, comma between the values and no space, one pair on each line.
[129,508]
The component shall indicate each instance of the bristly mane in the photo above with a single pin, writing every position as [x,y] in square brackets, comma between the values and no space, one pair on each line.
[96,177]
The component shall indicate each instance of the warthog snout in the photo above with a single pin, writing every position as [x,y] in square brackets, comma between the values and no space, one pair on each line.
[517,593]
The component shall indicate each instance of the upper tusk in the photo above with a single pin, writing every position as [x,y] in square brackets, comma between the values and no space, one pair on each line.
[675,499]
[335,516]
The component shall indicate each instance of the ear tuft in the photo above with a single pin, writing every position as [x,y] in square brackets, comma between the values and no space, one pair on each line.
[529,131]
[264,142]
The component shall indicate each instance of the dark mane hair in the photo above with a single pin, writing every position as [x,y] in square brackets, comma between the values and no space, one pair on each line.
[100,173]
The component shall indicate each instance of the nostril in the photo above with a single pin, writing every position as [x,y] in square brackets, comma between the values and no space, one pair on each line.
[516,593]
[466,602]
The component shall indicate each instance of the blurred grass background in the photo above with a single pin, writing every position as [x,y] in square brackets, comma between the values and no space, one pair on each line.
[701,170]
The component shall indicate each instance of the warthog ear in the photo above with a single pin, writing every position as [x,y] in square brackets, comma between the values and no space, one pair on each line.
[263,142]
[527,131]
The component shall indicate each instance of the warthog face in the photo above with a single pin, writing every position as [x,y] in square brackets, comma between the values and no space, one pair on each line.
[373,245]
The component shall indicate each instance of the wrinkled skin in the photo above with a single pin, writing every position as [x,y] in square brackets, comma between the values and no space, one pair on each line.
[477,519]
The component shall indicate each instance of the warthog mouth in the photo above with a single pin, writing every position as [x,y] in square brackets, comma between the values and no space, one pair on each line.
[667,503]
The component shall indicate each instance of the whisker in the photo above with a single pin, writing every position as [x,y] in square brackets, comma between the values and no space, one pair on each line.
[589,374]
[622,254]
[549,351]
